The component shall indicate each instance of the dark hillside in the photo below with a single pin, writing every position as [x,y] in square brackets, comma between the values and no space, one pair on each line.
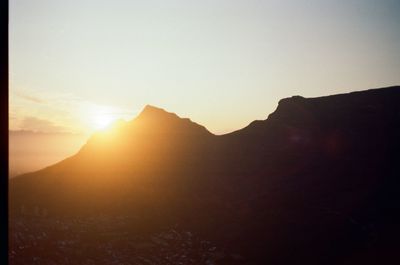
[315,183]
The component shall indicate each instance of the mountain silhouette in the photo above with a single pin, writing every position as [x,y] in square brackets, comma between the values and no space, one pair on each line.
[316,182]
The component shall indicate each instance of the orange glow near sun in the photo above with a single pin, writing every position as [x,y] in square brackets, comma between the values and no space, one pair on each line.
[102,121]
[99,117]
[96,117]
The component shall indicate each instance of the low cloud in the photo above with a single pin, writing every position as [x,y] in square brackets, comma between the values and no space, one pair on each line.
[31,98]
[41,125]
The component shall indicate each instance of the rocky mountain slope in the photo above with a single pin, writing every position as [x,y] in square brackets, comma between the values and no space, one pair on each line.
[316,182]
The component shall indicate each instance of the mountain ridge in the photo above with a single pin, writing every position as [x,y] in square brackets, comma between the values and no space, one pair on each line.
[316,171]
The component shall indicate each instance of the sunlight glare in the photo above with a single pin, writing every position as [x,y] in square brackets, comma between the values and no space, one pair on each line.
[102,121]
[100,117]
[96,117]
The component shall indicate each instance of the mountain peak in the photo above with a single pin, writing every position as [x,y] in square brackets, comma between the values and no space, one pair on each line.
[152,112]
[161,119]
[149,107]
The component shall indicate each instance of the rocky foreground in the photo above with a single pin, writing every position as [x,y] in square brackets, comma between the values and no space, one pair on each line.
[102,240]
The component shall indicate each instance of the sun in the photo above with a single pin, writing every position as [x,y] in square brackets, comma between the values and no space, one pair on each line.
[102,121]
[96,117]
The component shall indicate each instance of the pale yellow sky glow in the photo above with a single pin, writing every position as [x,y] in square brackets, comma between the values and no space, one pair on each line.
[69,114]
[77,65]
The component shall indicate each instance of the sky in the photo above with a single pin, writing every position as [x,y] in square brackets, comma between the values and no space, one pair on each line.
[76,65]
[30,151]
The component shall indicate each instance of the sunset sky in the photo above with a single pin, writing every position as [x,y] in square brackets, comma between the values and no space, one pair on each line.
[77,65]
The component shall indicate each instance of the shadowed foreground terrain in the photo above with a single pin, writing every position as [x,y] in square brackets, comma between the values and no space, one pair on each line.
[315,183]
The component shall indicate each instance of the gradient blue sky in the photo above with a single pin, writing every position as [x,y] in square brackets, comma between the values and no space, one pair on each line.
[221,63]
